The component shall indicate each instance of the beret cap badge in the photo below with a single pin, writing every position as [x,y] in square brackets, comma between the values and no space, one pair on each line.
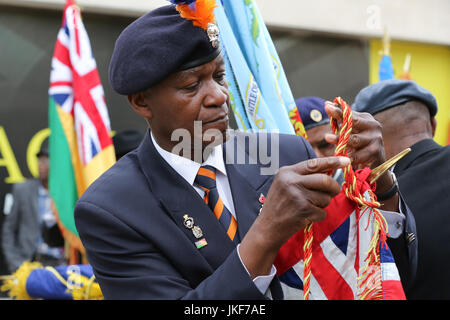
[201,13]
[213,34]
[315,115]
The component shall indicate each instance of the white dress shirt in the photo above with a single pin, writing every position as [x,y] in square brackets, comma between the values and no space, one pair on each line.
[188,170]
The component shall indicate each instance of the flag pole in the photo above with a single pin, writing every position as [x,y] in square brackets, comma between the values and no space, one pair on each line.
[386,43]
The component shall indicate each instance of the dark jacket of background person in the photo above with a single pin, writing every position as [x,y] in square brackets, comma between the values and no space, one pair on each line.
[424,178]
[407,112]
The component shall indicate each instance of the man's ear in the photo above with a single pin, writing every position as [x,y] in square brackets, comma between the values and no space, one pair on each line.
[140,104]
[433,125]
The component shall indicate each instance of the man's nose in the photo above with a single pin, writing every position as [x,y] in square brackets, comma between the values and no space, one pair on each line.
[216,95]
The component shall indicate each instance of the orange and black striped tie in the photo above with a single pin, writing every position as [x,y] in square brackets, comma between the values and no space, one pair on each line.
[206,179]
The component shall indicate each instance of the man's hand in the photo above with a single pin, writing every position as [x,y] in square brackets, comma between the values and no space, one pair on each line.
[365,148]
[297,197]
[365,145]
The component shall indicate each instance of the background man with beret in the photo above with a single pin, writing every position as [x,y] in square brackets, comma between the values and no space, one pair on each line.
[406,112]
[317,125]
[158,225]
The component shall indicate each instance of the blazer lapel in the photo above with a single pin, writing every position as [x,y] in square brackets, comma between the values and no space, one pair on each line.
[179,198]
[247,184]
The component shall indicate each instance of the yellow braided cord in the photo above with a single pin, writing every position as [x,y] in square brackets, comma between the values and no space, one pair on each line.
[57,275]
[307,256]
[16,285]
[83,288]
[369,282]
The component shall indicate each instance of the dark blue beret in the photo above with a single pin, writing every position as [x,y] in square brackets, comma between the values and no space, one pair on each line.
[312,111]
[390,93]
[154,46]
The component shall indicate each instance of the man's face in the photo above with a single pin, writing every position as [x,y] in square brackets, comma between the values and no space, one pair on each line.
[197,94]
[316,137]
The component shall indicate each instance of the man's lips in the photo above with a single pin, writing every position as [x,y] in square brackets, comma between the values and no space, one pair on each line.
[223,117]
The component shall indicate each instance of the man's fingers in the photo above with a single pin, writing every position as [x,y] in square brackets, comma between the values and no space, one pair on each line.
[321,165]
[333,111]
[363,121]
[317,214]
[320,182]
[331,138]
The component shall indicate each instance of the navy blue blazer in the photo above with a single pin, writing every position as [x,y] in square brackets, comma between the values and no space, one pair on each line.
[130,221]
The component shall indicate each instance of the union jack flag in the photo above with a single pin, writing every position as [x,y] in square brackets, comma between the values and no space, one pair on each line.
[76,87]
[340,248]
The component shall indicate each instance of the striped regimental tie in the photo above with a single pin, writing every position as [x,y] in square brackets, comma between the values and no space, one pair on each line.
[206,179]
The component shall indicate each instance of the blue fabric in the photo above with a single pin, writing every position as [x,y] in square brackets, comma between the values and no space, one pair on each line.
[43,284]
[386,70]
[291,279]
[340,236]
[261,97]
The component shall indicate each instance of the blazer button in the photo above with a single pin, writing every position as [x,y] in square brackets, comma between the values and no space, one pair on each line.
[410,237]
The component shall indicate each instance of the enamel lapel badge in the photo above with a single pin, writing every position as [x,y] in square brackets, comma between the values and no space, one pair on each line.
[261,200]
[196,231]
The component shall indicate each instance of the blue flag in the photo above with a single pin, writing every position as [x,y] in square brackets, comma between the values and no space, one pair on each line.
[260,95]
[386,70]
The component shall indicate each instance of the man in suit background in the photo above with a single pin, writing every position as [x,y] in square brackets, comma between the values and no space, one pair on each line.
[406,112]
[186,220]
[30,230]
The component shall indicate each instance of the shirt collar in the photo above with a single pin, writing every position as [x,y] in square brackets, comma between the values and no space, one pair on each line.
[187,168]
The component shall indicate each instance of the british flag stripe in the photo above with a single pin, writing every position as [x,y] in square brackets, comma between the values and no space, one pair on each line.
[88,142]
[98,96]
[79,47]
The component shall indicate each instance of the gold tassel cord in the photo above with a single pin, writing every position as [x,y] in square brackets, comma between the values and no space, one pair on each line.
[16,283]
[79,286]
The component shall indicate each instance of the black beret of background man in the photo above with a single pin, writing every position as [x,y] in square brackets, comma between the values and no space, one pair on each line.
[406,112]
[126,141]
[146,227]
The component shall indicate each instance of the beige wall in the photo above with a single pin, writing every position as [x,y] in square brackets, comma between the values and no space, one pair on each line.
[412,20]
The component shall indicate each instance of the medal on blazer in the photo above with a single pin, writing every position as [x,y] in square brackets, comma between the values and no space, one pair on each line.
[196,231]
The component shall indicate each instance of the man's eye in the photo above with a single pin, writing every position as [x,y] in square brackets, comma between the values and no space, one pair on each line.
[191,87]
[221,77]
